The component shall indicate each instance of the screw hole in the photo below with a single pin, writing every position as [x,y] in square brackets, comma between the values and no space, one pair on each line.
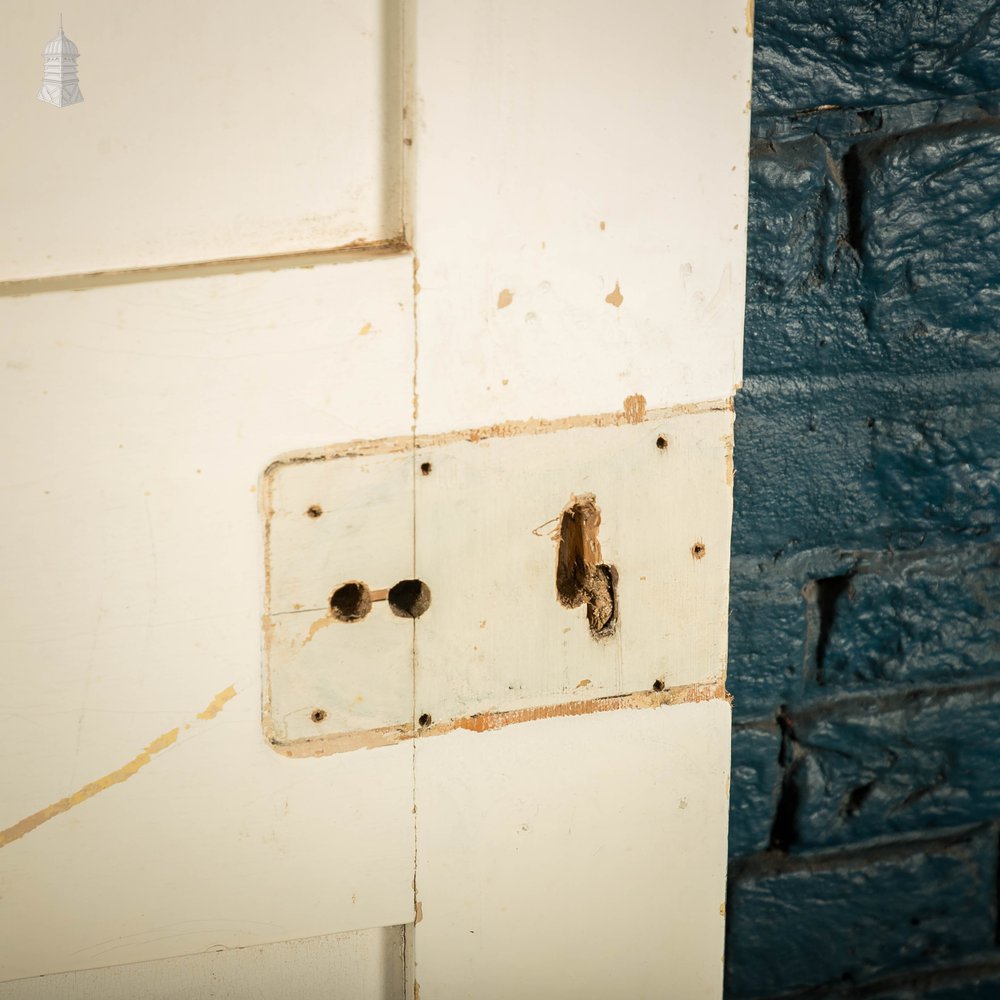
[425,468]
[350,602]
[698,550]
[424,720]
[661,443]
[657,685]
[319,715]
[315,510]
[409,598]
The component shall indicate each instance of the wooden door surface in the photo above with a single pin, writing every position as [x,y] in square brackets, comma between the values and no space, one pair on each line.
[369,292]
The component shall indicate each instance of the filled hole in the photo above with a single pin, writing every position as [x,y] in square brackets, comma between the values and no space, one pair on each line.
[350,602]
[409,598]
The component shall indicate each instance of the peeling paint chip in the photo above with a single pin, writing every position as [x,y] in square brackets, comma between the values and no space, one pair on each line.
[635,409]
[615,298]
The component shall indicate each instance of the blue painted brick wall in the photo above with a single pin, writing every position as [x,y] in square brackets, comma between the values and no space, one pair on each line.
[865,602]
[920,902]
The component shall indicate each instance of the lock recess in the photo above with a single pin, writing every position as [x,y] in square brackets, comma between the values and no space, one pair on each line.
[414,588]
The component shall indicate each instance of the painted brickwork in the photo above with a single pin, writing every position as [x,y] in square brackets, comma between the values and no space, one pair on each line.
[865,622]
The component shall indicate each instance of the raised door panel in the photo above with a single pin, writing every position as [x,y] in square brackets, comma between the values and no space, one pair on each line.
[206,131]
[143,813]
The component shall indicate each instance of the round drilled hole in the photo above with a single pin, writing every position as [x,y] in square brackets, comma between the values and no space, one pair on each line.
[350,602]
[425,468]
[661,442]
[424,720]
[657,685]
[409,598]
[319,715]
[698,550]
[315,511]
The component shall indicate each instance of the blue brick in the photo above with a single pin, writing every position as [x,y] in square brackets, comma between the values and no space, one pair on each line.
[766,641]
[899,620]
[915,620]
[804,297]
[928,220]
[801,474]
[982,987]
[977,978]
[866,462]
[936,467]
[756,781]
[985,986]
[876,769]
[875,251]
[810,53]
[856,916]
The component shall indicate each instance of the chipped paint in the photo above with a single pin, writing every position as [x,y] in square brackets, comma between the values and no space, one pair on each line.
[418,912]
[489,721]
[218,703]
[366,329]
[486,722]
[749,13]
[505,298]
[615,298]
[507,429]
[727,441]
[322,746]
[88,791]
[320,623]
[116,777]
[635,409]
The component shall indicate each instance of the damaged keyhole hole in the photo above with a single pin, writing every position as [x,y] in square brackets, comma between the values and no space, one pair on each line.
[581,577]
[350,602]
[409,598]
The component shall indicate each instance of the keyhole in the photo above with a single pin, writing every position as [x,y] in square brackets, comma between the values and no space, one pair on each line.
[581,577]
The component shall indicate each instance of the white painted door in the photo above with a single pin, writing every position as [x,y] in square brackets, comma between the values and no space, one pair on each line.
[364,293]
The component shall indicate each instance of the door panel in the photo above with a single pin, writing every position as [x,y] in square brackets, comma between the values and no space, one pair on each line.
[206,131]
[575,199]
[144,814]
[579,205]
[580,857]
[579,212]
